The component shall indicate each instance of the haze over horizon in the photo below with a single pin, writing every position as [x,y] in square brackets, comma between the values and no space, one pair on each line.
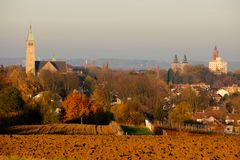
[126,29]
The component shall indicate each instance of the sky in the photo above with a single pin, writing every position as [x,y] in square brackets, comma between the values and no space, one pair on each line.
[124,29]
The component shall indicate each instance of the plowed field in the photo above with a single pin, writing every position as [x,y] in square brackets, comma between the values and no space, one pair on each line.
[180,146]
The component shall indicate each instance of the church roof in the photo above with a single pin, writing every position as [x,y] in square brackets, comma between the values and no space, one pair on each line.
[60,66]
[30,34]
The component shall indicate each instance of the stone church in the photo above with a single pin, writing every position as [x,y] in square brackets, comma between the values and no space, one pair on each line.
[35,67]
[179,66]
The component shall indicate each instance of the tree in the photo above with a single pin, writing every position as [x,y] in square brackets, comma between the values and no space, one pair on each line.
[129,113]
[88,86]
[29,88]
[3,76]
[69,83]
[191,97]
[170,76]
[76,105]
[50,81]
[16,75]
[180,113]
[98,99]
[63,84]
[47,105]
[10,100]
[233,103]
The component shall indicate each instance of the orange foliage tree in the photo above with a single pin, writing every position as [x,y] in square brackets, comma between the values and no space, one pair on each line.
[76,105]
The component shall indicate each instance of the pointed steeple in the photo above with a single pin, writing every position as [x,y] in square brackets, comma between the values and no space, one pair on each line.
[185,59]
[175,60]
[30,53]
[215,53]
[30,34]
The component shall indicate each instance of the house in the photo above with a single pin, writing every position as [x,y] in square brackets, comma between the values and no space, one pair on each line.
[233,119]
[218,119]
[223,92]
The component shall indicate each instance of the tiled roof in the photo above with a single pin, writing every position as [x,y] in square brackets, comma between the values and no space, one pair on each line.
[61,66]
[218,113]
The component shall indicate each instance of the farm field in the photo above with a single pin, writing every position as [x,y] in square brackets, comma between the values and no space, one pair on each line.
[178,146]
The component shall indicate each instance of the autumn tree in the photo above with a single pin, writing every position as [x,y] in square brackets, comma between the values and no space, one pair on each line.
[180,113]
[3,76]
[76,105]
[89,85]
[56,82]
[191,97]
[50,81]
[69,82]
[15,75]
[10,100]
[130,112]
[29,88]
[48,103]
[98,99]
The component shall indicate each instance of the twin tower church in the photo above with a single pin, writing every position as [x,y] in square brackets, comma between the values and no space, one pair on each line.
[34,66]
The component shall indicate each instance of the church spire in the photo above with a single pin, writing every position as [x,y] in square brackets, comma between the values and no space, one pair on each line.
[185,59]
[30,34]
[175,60]
[215,53]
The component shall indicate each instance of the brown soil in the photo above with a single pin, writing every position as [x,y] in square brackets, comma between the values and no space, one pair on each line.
[179,146]
[66,129]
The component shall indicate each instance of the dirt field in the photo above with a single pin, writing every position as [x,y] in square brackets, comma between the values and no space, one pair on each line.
[180,146]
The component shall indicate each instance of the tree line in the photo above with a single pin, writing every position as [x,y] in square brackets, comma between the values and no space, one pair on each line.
[99,95]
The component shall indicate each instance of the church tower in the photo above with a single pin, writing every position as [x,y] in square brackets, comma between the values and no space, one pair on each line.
[30,52]
[215,53]
[175,64]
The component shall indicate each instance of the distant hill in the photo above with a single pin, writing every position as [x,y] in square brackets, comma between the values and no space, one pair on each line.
[119,63]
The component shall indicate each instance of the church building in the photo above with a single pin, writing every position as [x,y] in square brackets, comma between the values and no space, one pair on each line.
[179,66]
[35,67]
[217,65]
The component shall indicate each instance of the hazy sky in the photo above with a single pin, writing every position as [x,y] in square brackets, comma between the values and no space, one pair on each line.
[134,29]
